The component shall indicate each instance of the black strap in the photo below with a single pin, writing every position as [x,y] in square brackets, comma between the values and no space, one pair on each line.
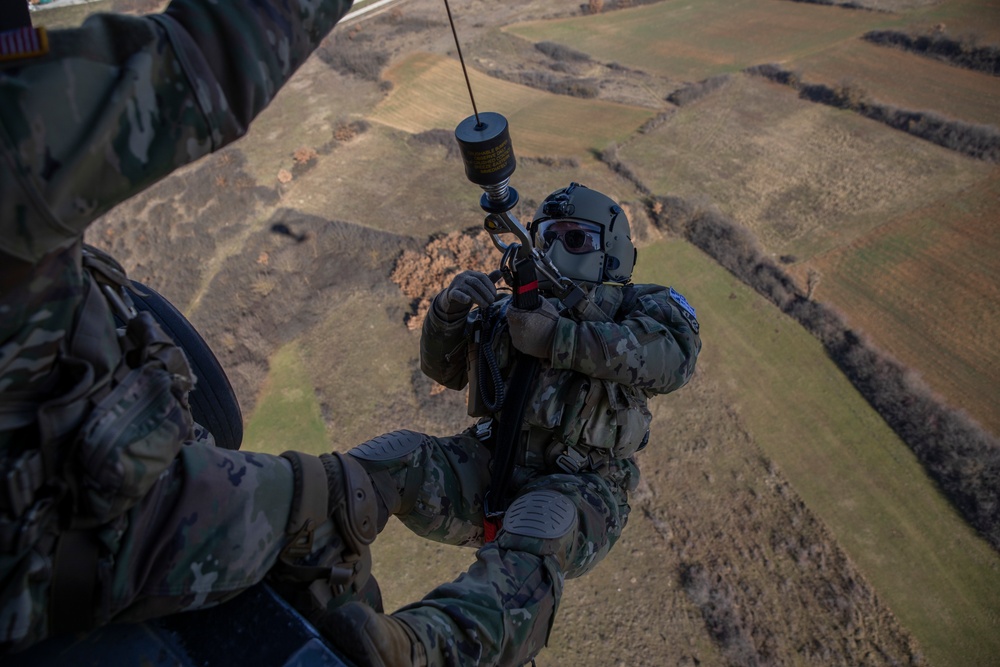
[508,441]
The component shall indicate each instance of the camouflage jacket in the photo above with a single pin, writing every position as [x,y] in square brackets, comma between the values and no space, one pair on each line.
[114,106]
[590,396]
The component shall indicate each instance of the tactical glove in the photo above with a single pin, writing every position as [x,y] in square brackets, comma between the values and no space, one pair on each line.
[467,289]
[532,331]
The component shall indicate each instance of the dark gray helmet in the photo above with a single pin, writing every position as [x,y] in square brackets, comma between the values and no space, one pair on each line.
[585,234]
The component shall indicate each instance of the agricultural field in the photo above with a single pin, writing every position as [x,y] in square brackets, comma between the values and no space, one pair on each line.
[923,287]
[695,40]
[934,572]
[978,19]
[803,177]
[429,92]
[905,80]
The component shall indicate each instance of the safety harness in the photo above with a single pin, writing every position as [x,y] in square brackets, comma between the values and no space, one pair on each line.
[510,400]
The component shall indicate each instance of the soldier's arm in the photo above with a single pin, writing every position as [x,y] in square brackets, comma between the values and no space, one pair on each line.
[443,348]
[122,101]
[655,347]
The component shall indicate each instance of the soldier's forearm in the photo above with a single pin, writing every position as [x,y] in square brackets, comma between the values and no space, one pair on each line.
[123,101]
[651,359]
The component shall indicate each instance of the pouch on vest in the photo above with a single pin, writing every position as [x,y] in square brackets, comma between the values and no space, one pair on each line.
[590,413]
[135,432]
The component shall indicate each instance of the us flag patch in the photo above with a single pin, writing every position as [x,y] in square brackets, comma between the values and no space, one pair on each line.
[23,43]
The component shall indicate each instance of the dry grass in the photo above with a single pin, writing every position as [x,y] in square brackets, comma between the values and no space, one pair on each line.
[925,288]
[804,177]
[906,80]
[429,92]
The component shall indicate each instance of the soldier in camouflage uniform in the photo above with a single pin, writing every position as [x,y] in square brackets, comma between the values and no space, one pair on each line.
[585,417]
[114,506]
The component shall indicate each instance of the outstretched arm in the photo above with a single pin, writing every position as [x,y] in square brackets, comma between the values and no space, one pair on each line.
[123,101]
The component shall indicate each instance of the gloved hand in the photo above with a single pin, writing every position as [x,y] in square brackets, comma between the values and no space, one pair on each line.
[467,289]
[532,331]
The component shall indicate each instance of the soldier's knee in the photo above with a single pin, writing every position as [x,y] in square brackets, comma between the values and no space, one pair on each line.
[394,463]
[542,523]
[389,449]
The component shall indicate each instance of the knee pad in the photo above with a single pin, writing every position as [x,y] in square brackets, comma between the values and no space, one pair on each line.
[392,460]
[389,448]
[541,523]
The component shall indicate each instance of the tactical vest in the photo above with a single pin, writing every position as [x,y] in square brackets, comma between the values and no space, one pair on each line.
[570,422]
[112,418]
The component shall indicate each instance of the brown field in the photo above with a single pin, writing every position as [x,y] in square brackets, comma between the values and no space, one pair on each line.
[974,18]
[804,177]
[429,92]
[924,288]
[905,80]
[693,41]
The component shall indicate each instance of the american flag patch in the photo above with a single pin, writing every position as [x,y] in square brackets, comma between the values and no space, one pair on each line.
[23,43]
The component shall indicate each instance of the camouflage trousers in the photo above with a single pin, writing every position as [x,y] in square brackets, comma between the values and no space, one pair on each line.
[212,525]
[500,611]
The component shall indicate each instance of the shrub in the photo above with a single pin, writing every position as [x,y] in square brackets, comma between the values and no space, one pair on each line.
[696,91]
[366,63]
[964,53]
[561,53]
[585,88]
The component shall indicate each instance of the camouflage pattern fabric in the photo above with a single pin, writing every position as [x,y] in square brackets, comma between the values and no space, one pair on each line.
[501,610]
[116,105]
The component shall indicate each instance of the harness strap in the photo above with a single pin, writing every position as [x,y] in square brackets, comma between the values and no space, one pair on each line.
[310,503]
[508,443]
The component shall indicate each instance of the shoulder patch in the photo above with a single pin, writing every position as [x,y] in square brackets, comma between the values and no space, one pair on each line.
[687,310]
[23,43]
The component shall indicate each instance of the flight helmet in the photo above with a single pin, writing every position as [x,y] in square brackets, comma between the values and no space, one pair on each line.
[585,234]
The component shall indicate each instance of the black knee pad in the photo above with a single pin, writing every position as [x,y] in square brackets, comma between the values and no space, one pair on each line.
[541,523]
[393,462]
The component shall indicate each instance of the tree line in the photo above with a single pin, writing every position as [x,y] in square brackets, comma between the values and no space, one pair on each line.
[965,52]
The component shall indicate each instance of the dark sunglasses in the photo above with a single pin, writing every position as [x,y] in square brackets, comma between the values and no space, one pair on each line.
[578,238]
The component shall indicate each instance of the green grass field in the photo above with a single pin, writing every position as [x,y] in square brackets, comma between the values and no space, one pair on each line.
[288,414]
[940,579]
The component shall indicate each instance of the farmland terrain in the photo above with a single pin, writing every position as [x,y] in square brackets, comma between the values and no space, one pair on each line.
[780,520]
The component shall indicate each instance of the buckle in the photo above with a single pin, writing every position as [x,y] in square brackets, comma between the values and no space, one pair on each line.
[571,460]
[484,430]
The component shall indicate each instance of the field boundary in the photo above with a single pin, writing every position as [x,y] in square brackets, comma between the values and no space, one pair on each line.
[978,141]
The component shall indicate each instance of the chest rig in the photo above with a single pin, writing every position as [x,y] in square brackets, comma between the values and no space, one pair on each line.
[538,419]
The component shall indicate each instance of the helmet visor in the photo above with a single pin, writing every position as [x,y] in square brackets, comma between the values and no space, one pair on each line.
[578,238]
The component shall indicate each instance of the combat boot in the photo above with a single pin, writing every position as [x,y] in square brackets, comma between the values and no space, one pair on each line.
[371,639]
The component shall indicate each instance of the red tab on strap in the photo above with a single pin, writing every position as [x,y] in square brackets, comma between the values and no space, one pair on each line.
[527,288]
[491,527]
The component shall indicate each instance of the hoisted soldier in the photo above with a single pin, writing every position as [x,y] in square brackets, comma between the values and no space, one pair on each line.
[540,483]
